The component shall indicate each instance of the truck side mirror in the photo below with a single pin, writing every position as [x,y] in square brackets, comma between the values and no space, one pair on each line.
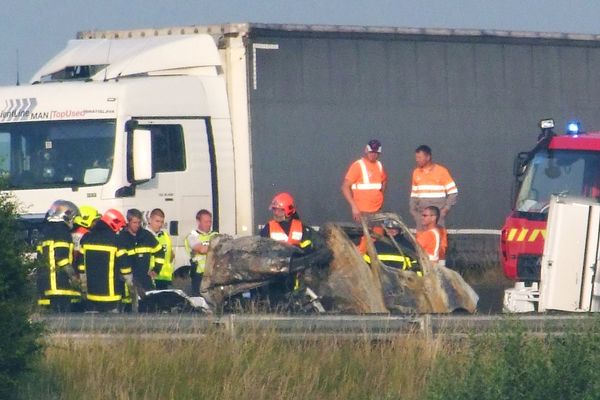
[142,155]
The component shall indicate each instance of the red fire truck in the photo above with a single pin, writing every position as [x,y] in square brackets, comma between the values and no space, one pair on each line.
[558,164]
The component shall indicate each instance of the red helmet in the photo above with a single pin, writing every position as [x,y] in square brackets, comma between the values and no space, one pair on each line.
[114,219]
[284,201]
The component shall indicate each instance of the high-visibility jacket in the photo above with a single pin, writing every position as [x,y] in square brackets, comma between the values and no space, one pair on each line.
[56,253]
[195,237]
[434,182]
[104,263]
[166,254]
[293,237]
[390,256]
[434,241]
[368,180]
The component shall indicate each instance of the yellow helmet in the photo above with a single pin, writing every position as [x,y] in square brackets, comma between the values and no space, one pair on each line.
[87,216]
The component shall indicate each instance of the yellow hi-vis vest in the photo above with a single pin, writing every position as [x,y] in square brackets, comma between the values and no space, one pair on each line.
[166,272]
[198,260]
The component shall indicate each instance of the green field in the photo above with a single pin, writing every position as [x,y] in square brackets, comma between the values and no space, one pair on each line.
[505,364]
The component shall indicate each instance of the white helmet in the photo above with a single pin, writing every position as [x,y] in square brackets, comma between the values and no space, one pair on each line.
[62,211]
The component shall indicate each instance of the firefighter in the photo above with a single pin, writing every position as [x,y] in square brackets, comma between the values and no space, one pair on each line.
[388,253]
[196,243]
[286,226]
[365,182]
[143,251]
[155,223]
[103,264]
[56,277]
[82,223]
[433,238]
[432,185]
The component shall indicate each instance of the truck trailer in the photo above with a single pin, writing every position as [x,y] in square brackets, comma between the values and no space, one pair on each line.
[224,116]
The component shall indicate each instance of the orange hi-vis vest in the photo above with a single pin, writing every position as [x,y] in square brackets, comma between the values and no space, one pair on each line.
[277,233]
[434,242]
[367,183]
[434,183]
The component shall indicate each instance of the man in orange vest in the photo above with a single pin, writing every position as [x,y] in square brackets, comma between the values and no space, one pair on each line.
[432,185]
[432,238]
[365,182]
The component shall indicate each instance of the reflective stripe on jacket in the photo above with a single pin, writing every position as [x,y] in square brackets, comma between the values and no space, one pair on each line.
[104,264]
[432,183]
[294,237]
[366,183]
[56,253]
[198,260]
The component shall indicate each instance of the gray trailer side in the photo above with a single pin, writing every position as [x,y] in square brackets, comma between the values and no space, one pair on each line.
[320,95]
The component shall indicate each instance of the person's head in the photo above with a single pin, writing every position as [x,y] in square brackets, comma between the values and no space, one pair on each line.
[283,206]
[422,155]
[392,226]
[113,219]
[62,211]
[156,220]
[373,150]
[430,216]
[87,217]
[134,220]
[204,220]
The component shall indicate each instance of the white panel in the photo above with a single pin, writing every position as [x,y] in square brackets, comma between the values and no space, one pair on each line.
[592,280]
[563,257]
[135,56]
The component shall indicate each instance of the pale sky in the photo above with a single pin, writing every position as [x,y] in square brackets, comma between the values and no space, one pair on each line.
[39,29]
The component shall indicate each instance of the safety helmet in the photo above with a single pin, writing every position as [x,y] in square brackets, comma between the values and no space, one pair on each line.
[114,219]
[87,216]
[374,146]
[284,201]
[62,211]
[391,224]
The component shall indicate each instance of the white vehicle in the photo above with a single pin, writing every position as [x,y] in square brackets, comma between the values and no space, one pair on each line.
[133,123]
[569,279]
[239,112]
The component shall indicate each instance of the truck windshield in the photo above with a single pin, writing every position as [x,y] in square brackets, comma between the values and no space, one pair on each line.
[56,153]
[572,172]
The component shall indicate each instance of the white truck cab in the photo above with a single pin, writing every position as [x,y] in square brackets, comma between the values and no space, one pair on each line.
[119,124]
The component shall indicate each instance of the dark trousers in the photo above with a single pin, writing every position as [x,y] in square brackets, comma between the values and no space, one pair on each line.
[61,304]
[196,281]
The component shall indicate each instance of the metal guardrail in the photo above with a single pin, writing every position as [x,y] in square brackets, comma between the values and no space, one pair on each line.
[184,326]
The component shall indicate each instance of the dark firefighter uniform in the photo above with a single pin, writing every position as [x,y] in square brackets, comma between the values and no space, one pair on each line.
[53,280]
[143,255]
[390,256]
[105,265]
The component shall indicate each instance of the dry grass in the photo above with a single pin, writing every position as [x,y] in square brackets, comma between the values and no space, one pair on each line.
[255,366]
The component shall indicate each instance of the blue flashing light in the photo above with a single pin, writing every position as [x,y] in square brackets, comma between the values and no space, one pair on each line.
[574,128]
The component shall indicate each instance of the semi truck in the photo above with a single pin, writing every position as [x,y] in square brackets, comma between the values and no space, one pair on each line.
[559,165]
[225,116]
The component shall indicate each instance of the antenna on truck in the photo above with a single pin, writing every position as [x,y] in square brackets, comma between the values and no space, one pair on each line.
[18,80]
